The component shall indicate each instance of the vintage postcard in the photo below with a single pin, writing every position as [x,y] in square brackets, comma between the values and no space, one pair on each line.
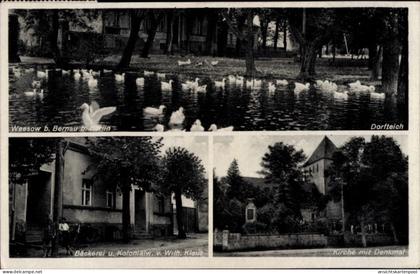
[210,134]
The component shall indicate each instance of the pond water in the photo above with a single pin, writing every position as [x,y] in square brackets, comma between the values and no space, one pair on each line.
[245,109]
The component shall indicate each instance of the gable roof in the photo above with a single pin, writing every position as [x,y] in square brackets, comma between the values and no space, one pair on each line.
[325,150]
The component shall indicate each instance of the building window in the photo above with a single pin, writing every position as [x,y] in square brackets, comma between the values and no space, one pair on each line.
[86,192]
[317,168]
[159,204]
[109,199]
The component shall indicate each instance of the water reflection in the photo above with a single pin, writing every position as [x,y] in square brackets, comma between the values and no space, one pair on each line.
[245,109]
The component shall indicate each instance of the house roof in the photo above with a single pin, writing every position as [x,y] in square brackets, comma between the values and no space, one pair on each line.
[325,150]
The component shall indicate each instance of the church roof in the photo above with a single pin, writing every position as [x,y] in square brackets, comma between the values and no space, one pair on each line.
[325,150]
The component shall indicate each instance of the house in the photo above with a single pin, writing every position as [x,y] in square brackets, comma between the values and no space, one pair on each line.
[92,204]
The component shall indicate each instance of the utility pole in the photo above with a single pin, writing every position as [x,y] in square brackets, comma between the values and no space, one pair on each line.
[58,192]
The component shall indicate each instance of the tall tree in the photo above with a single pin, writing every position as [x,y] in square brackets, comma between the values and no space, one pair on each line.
[183,174]
[281,167]
[234,181]
[123,162]
[155,18]
[136,17]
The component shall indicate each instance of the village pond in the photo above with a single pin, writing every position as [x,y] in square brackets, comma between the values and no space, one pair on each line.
[244,109]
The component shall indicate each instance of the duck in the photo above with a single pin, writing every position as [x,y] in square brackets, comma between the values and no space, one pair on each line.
[140,81]
[197,126]
[213,127]
[92,115]
[148,73]
[41,74]
[299,87]
[283,82]
[341,95]
[177,117]
[271,87]
[159,128]
[166,86]
[184,63]
[377,95]
[77,75]
[161,75]
[119,77]
[358,87]
[36,84]
[150,111]
[202,88]
[220,84]
[214,63]
[92,82]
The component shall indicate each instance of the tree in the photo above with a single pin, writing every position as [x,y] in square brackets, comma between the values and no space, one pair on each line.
[136,17]
[233,18]
[155,18]
[122,162]
[281,167]
[374,175]
[183,174]
[234,182]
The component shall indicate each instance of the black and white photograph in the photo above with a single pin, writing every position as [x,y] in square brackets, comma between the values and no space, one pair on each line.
[108,197]
[311,195]
[208,69]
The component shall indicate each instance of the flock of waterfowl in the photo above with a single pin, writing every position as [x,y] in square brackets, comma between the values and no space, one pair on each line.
[92,114]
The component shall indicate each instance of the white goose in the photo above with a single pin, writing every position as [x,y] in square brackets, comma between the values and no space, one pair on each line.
[197,126]
[326,86]
[239,81]
[161,75]
[159,128]
[107,71]
[341,95]
[201,89]
[92,82]
[166,86]
[299,87]
[220,84]
[213,127]
[77,75]
[192,84]
[119,77]
[283,82]
[147,73]
[65,72]
[184,63]
[271,87]
[377,96]
[150,111]
[177,117]
[92,115]
[358,87]
[34,93]
[140,81]
[232,79]
[41,74]
[214,63]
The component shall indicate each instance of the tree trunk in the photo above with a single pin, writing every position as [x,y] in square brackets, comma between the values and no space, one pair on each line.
[308,58]
[222,39]
[394,234]
[170,33]
[390,65]
[249,54]
[276,34]
[151,35]
[13,38]
[179,216]
[285,37]
[58,193]
[126,226]
[54,39]
[132,39]
[403,73]
[211,35]
[362,225]
[264,26]
[373,51]
[241,22]
[377,64]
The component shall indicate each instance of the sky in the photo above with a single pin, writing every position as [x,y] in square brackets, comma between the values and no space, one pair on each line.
[249,150]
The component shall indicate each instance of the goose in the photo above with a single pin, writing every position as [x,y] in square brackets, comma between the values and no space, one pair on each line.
[177,117]
[76,70]
[77,75]
[213,127]
[232,79]
[28,70]
[107,71]
[239,81]
[358,87]
[271,87]
[94,73]
[377,95]
[341,95]
[192,84]
[202,88]
[119,77]
[148,73]
[86,74]
[161,75]
[197,126]
[150,111]
[220,84]
[92,114]
[34,93]
[326,86]
[299,87]
[92,82]
[249,83]
[41,74]
[282,82]
[214,63]
[185,86]
[36,84]
[65,72]
[166,86]
[159,128]
[184,63]
[140,81]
